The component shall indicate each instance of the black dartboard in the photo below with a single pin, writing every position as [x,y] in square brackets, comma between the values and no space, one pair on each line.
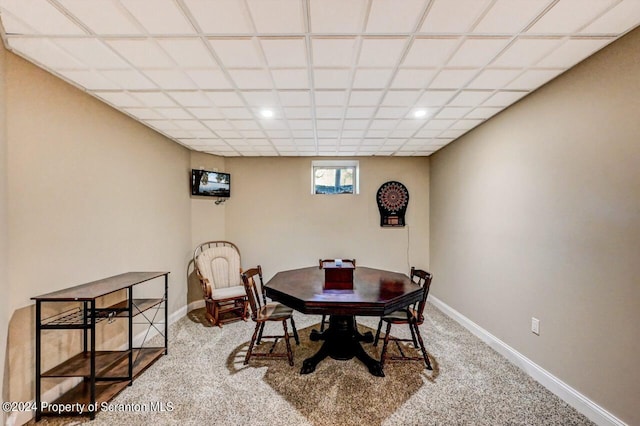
[392,199]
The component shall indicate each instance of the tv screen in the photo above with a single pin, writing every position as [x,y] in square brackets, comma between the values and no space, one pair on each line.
[210,184]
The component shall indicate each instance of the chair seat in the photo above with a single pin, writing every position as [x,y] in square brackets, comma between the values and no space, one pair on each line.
[232,292]
[274,312]
[401,316]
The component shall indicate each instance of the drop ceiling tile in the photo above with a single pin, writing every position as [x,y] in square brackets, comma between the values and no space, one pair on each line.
[337,16]
[190,125]
[483,112]
[432,98]
[278,134]
[407,78]
[277,16]
[188,53]
[330,97]
[191,98]
[251,79]
[375,134]
[470,97]
[159,16]
[465,124]
[285,52]
[46,53]
[218,124]
[179,134]
[290,78]
[225,98]
[297,125]
[162,124]
[331,78]
[171,79]
[229,134]
[617,20]
[129,79]
[353,134]
[572,52]
[453,16]
[504,98]
[401,133]
[384,124]
[381,52]
[206,113]
[121,99]
[525,51]
[238,53]
[42,15]
[428,133]
[252,134]
[353,124]
[434,124]
[13,25]
[452,112]
[141,53]
[294,98]
[221,16]
[297,112]
[329,112]
[328,124]
[333,52]
[90,80]
[272,124]
[91,52]
[144,113]
[568,16]
[453,133]
[209,79]
[477,52]
[360,112]
[391,112]
[236,113]
[410,124]
[371,78]
[154,99]
[493,79]
[394,142]
[365,97]
[510,16]
[532,79]
[305,142]
[174,113]
[451,79]
[391,16]
[260,99]
[430,52]
[400,98]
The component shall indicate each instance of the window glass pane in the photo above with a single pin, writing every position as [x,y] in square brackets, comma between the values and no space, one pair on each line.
[334,180]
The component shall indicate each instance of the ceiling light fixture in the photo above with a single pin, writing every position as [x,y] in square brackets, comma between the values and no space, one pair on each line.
[420,113]
[266,113]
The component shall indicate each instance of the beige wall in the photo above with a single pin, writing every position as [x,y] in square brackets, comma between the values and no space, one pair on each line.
[5,302]
[276,221]
[536,213]
[92,193]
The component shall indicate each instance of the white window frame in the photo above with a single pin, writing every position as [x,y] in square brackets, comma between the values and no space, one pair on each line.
[337,164]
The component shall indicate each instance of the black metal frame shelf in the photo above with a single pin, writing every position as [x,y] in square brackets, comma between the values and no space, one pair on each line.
[105,373]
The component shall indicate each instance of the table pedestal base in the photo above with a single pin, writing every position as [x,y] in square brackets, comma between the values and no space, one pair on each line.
[342,342]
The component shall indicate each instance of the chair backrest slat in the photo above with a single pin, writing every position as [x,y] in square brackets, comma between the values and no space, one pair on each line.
[256,297]
[423,279]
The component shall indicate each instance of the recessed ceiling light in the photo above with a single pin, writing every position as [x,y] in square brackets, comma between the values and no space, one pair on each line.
[419,113]
[266,113]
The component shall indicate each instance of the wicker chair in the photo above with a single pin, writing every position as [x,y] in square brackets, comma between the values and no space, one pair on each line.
[263,312]
[413,316]
[217,265]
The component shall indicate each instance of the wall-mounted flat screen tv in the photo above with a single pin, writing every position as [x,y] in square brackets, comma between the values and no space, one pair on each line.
[210,184]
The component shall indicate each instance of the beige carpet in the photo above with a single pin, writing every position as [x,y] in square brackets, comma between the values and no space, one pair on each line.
[203,378]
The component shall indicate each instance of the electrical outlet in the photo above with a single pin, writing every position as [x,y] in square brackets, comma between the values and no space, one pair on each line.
[535,325]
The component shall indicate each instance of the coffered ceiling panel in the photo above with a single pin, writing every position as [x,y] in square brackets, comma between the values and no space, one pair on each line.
[312,77]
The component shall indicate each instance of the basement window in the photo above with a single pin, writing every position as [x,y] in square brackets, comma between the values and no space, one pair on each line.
[335,177]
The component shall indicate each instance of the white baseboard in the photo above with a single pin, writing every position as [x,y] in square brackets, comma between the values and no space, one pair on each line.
[20,418]
[565,392]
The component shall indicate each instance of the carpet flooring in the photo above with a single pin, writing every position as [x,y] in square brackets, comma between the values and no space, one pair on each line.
[203,381]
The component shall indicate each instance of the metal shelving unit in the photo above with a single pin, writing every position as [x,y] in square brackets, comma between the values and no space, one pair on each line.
[104,373]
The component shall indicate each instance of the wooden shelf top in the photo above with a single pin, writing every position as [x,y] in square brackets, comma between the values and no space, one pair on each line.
[92,290]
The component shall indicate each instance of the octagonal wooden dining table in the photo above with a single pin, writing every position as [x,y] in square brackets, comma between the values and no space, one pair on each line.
[375,292]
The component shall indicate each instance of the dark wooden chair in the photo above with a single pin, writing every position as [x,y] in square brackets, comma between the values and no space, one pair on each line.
[413,315]
[217,265]
[321,265]
[262,312]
